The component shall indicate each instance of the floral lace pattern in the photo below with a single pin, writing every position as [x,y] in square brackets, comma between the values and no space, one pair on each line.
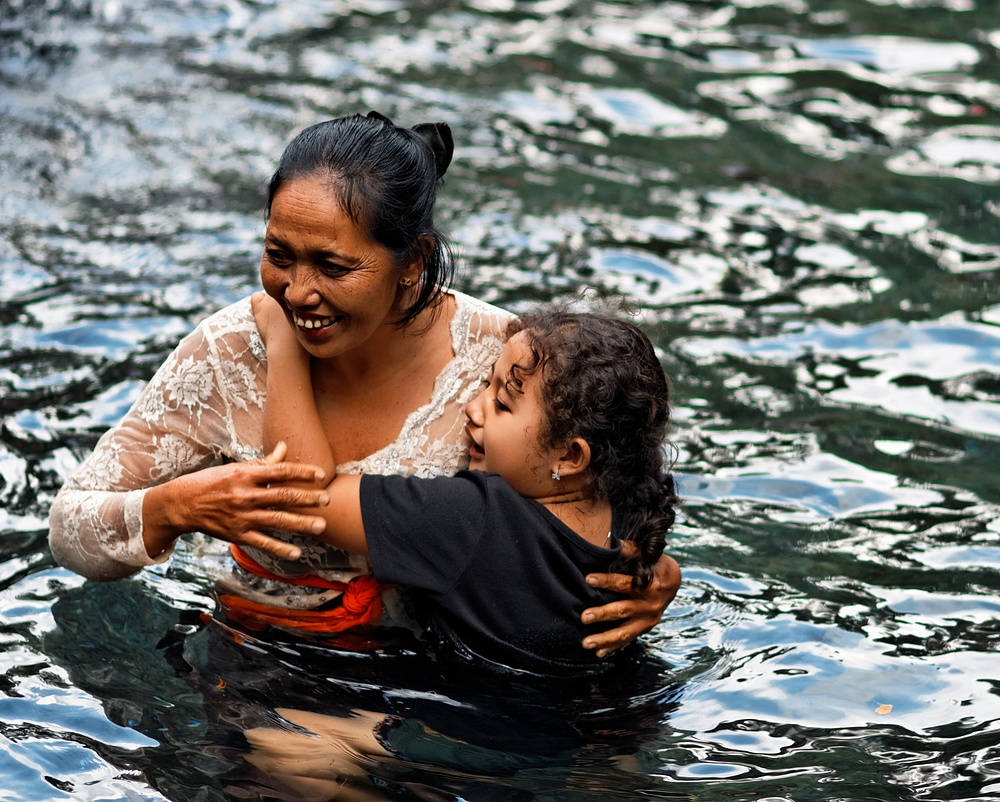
[204,407]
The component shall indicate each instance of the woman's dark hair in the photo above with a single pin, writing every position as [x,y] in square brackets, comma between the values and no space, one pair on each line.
[601,380]
[385,179]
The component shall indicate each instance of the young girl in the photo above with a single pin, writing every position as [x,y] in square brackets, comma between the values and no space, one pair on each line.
[565,442]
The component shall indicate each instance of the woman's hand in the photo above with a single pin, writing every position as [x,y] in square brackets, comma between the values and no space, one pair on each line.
[234,502]
[638,614]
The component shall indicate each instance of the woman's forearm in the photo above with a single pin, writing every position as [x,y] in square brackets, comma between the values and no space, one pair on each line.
[163,510]
[83,539]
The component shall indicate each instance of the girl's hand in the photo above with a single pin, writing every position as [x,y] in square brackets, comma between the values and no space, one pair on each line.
[268,315]
[638,614]
[274,328]
[234,502]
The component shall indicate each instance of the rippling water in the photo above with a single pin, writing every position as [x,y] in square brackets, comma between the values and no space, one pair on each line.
[803,200]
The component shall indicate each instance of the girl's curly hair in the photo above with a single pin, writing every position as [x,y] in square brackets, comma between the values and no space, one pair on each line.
[601,381]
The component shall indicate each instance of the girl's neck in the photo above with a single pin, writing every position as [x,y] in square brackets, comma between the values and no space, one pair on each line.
[590,519]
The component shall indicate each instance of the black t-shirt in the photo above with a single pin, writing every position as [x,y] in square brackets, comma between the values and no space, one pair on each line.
[500,577]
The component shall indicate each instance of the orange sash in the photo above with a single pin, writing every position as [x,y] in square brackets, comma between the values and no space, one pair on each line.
[361,603]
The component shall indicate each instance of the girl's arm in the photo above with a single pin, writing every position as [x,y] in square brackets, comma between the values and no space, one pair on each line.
[291,417]
[290,414]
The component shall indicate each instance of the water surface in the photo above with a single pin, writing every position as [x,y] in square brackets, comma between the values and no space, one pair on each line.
[800,199]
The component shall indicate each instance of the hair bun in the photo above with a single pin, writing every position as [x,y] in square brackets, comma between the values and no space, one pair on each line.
[438,136]
[374,115]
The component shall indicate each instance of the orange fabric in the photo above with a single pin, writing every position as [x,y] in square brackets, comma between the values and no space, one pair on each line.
[361,603]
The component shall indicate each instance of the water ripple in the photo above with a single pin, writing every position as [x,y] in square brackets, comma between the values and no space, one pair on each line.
[802,202]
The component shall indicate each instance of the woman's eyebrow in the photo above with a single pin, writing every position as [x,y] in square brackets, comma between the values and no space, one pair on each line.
[269,236]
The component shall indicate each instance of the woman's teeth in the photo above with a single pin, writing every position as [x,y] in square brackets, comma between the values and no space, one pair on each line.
[314,324]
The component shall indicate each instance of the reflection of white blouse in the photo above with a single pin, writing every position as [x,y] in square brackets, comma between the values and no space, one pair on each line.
[204,407]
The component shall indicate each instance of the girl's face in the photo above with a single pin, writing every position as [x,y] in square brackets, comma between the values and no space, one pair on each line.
[505,426]
[335,284]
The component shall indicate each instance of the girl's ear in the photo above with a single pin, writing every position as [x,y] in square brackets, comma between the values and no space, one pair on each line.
[575,458]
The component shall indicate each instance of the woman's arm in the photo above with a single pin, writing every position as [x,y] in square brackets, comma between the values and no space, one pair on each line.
[158,473]
[638,613]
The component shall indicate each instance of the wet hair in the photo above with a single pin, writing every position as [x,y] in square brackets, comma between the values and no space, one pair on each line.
[385,179]
[601,381]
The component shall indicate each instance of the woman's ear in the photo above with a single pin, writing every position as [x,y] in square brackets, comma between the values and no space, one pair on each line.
[420,253]
[575,458]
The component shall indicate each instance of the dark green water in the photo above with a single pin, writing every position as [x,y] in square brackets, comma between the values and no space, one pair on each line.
[802,198]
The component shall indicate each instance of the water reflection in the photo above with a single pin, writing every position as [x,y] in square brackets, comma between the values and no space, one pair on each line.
[945,373]
[801,201]
[891,53]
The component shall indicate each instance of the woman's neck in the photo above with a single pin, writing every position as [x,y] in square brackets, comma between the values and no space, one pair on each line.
[390,352]
[365,397]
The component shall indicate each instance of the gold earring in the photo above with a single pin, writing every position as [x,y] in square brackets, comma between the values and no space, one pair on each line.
[405,281]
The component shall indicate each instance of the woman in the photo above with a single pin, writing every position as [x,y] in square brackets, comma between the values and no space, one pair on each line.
[352,256]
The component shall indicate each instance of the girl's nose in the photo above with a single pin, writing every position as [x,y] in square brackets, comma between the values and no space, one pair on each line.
[474,409]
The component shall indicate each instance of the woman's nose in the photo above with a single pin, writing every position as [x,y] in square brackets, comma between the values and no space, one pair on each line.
[301,291]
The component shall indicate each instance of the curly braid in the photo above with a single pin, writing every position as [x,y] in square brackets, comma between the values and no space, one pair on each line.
[601,381]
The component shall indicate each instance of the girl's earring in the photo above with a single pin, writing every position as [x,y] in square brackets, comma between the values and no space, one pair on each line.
[555,474]
[405,281]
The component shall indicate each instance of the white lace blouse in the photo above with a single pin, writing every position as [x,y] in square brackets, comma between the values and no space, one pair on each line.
[204,407]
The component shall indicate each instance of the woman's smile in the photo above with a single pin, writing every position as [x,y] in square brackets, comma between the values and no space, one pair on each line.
[312,325]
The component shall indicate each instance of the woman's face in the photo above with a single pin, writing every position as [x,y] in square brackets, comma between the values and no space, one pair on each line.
[336,285]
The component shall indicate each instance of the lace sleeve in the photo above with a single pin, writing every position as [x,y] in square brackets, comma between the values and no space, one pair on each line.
[202,407]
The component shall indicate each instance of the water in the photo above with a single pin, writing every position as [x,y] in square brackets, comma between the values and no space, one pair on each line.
[801,197]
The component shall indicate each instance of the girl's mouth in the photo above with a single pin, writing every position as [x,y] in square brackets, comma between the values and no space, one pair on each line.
[476,452]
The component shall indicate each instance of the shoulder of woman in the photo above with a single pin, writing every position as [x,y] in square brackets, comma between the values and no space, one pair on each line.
[235,320]
[483,318]
[228,334]
[238,316]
